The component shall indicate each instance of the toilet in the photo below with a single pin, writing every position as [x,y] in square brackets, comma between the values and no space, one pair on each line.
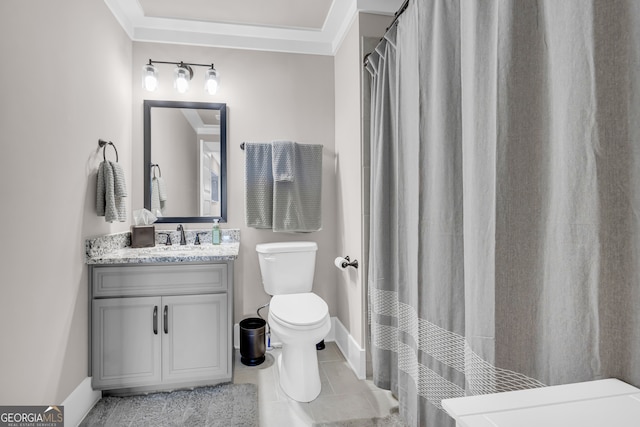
[297,316]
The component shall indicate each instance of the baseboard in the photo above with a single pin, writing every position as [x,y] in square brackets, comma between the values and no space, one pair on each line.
[352,352]
[78,404]
[236,336]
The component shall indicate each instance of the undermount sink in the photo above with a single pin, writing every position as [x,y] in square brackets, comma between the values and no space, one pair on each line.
[177,248]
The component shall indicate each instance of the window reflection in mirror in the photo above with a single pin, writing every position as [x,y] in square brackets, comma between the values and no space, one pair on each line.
[187,142]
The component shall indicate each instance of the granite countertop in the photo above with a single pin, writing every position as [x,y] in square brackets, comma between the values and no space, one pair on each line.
[116,249]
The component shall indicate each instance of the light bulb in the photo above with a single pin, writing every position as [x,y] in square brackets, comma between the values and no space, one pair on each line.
[183,74]
[150,83]
[182,84]
[149,77]
[211,81]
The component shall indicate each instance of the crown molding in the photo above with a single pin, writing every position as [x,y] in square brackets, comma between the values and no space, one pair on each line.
[325,41]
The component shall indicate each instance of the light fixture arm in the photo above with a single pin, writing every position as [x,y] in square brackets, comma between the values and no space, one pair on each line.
[181,63]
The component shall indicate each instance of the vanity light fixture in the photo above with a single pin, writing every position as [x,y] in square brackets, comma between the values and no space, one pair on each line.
[183,73]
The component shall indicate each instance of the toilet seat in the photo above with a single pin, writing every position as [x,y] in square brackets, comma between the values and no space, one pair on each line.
[299,311]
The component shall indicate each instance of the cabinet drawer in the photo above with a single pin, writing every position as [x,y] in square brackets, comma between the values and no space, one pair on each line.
[143,280]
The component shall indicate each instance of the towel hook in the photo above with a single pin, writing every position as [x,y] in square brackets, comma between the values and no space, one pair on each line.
[153,166]
[102,143]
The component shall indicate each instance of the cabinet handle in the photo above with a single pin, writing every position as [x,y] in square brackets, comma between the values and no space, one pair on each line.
[166,319]
[155,320]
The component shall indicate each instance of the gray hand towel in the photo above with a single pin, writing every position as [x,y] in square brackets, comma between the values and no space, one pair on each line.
[283,160]
[110,192]
[100,189]
[158,196]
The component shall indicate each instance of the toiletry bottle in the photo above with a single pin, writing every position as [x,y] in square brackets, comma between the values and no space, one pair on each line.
[215,232]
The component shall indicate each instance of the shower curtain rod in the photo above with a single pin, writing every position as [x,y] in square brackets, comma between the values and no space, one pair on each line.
[395,18]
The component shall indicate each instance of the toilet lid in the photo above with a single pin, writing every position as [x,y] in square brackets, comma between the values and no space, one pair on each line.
[299,309]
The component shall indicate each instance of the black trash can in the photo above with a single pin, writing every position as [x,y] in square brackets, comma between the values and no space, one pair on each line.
[252,344]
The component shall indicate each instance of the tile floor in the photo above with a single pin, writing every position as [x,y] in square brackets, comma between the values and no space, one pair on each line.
[343,396]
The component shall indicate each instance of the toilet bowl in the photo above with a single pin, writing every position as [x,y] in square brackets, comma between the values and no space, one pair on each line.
[299,321]
[297,316]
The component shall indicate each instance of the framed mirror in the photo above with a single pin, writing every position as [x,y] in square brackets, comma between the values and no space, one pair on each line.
[185,161]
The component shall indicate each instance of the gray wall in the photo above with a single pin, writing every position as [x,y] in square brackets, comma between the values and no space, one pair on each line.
[351,289]
[65,82]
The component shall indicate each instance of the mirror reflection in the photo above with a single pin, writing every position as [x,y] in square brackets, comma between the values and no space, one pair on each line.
[185,160]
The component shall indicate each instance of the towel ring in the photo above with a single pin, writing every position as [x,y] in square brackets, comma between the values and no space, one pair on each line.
[155,165]
[102,143]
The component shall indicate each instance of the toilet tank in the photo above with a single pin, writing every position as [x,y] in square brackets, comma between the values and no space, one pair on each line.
[287,267]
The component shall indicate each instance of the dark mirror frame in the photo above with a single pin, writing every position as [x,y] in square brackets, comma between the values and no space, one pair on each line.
[222,108]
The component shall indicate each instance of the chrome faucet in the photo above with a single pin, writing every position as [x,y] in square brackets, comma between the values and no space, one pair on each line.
[183,239]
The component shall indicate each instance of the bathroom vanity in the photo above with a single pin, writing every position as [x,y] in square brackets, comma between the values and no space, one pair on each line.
[160,318]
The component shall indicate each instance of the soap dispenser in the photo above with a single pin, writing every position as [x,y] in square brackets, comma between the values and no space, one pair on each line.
[215,232]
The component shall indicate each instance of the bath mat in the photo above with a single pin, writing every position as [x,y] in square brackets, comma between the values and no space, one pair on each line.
[391,420]
[217,406]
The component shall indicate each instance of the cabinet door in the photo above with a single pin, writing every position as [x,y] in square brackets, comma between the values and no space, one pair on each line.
[195,340]
[126,339]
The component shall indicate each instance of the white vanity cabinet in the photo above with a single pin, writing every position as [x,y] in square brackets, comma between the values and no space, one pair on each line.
[161,326]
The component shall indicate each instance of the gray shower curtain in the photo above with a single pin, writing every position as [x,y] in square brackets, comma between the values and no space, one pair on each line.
[505,199]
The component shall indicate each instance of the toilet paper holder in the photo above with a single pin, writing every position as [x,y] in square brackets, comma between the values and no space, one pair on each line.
[348,263]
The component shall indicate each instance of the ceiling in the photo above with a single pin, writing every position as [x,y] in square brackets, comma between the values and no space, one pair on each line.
[308,14]
[297,26]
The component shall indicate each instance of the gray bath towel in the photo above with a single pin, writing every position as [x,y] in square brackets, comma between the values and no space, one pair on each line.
[297,203]
[110,192]
[258,185]
[286,203]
